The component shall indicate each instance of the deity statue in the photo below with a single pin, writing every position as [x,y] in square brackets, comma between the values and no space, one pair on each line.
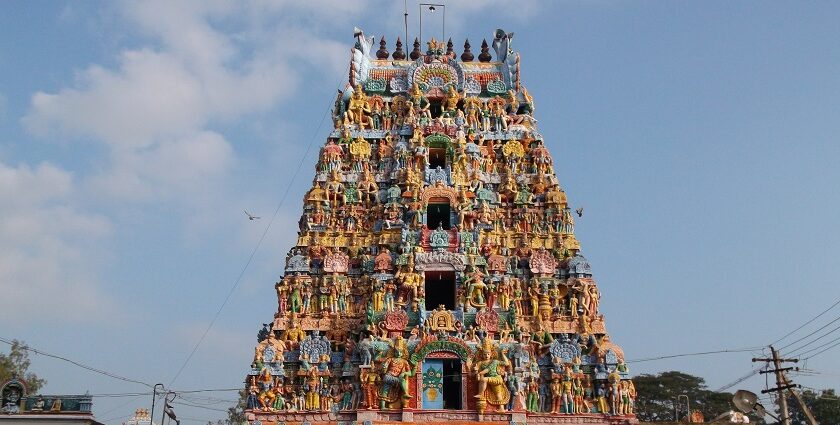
[556,394]
[397,370]
[452,98]
[370,384]
[270,350]
[358,109]
[294,334]
[334,188]
[360,151]
[312,385]
[383,262]
[265,384]
[475,290]
[489,370]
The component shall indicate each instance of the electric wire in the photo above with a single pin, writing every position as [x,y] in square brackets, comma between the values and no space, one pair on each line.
[184,403]
[810,350]
[815,339]
[822,351]
[806,323]
[81,365]
[254,251]
[701,353]
[739,380]
[809,335]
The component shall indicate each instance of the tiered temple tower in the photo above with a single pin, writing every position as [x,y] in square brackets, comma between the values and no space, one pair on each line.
[436,275]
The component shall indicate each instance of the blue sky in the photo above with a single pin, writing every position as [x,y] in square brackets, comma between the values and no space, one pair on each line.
[700,137]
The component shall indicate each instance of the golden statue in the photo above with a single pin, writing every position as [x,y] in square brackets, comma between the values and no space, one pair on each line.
[452,98]
[358,108]
[294,334]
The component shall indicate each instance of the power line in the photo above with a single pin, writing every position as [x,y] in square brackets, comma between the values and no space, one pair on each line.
[83,366]
[812,333]
[253,252]
[822,351]
[806,323]
[184,403]
[738,381]
[800,354]
[701,353]
[207,390]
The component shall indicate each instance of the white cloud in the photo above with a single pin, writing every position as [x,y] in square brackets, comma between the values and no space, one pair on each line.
[46,247]
[152,110]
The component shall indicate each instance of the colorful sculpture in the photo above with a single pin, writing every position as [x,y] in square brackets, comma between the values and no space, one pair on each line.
[436,266]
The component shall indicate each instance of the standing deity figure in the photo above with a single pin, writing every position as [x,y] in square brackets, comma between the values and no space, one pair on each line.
[533,395]
[556,394]
[312,385]
[489,373]
[614,380]
[452,99]
[505,292]
[397,370]
[579,401]
[370,383]
[472,110]
[568,394]
[420,103]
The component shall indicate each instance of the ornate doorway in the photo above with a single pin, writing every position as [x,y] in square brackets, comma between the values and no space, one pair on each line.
[442,384]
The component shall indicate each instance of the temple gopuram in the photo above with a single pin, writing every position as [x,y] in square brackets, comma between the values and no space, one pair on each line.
[436,275]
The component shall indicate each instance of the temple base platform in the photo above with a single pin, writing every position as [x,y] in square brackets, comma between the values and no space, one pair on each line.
[450,417]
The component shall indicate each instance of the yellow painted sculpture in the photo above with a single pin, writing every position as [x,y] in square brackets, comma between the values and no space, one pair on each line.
[490,369]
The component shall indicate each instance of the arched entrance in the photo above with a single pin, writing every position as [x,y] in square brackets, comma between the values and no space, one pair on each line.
[442,375]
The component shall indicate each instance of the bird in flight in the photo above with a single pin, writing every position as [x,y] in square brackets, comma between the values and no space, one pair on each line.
[579,212]
[251,217]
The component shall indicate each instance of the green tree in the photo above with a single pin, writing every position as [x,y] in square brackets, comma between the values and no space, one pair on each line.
[236,414]
[656,396]
[825,406]
[16,365]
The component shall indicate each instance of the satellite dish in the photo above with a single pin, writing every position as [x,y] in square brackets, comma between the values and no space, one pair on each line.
[745,401]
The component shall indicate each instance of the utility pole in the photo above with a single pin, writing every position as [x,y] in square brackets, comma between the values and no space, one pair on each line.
[782,384]
[811,419]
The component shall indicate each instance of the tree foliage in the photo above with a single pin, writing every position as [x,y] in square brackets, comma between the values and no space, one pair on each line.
[656,395]
[825,406]
[236,414]
[16,365]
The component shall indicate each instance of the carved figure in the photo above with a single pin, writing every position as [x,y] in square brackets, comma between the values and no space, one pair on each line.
[489,373]
[397,370]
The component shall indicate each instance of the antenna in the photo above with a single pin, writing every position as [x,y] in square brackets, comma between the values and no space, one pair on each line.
[405,15]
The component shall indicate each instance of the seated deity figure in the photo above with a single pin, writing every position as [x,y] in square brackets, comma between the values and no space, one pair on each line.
[358,109]
[489,372]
